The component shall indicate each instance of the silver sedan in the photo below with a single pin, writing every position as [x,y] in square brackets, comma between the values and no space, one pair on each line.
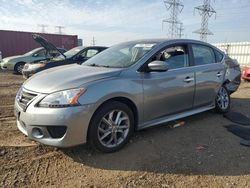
[128,87]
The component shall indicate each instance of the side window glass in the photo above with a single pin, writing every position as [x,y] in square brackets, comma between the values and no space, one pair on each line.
[40,53]
[218,55]
[91,53]
[175,57]
[83,54]
[203,55]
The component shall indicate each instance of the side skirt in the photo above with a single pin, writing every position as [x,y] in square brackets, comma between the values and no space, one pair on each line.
[174,117]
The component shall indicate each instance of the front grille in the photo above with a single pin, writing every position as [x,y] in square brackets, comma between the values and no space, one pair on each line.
[25,98]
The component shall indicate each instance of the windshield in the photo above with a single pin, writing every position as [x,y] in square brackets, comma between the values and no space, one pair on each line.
[32,51]
[72,52]
[121,55]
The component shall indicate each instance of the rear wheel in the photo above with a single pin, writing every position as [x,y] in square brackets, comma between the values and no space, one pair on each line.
[19,67]
[222,100]
[111,127]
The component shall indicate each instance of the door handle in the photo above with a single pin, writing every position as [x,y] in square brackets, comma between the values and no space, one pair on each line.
[188,79]
[219,74]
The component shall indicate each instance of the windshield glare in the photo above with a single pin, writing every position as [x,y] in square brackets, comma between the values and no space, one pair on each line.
[72,52]
[121,55]
[32,51]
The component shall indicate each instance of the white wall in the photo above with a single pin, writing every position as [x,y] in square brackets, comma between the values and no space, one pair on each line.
[237,50]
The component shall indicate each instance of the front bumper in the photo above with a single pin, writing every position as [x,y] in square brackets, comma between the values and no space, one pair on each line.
[6,66]
[29,72]
[75,119]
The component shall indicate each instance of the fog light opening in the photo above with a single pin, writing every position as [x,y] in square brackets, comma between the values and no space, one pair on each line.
[37,133]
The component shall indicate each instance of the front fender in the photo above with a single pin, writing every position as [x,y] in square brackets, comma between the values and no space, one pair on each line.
[99,92]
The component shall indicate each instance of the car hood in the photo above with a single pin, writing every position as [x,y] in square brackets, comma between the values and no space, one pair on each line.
[50,48]
[12,58]
[67,77]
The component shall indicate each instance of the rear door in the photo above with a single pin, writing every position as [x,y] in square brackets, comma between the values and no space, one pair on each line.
[208,75]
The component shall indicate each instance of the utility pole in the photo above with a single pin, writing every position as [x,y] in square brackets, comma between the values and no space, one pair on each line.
[206,11]
[43,26]
[175,7]
[93,41]
[59,29]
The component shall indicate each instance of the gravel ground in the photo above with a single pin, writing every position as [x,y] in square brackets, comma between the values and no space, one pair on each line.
[155,157]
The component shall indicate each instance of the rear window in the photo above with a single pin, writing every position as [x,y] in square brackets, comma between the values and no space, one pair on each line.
[203,54]
[218,56]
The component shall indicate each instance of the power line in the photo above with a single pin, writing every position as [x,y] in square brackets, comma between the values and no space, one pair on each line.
[234,8]
[175,7]
[206,11]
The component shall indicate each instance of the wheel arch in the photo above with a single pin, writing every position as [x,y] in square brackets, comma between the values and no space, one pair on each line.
[20,62]
[226,81]
[123,100]
[23,62]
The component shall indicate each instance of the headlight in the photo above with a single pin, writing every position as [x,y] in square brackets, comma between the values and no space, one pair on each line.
[19,93]
[36,65]
[4,61]
[62,99]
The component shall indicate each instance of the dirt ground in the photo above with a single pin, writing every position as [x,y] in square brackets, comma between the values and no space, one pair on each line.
[155,157]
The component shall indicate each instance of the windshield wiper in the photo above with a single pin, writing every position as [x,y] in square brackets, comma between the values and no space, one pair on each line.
[95,65]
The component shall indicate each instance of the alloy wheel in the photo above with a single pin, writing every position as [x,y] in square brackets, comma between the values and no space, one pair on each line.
[113,128]
[223,98]
[20,68]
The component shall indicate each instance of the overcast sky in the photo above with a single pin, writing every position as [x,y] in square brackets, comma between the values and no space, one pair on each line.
[113,21]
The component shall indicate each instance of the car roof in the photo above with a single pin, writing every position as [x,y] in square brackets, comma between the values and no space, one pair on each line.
[163,40]
[159,41]
[96,47]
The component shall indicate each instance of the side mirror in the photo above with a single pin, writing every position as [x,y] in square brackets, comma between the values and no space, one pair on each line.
[157,66]
[35,55]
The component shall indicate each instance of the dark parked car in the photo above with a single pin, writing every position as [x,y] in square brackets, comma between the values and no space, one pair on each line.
[75,55]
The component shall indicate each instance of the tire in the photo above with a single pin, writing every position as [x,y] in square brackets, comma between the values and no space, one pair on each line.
[19,67]
[223,100]
[105,125]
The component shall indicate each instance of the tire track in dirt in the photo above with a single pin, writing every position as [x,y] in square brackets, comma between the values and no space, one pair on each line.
[34,170]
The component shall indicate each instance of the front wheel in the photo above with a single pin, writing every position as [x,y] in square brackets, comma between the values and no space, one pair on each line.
[111,127]
[19,67]
[222,101]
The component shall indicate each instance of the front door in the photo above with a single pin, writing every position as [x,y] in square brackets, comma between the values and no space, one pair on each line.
[169,92]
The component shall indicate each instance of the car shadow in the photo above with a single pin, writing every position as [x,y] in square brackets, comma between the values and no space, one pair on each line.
[201,147]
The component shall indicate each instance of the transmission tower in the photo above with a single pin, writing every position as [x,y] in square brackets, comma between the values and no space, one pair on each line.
[175,7]
[43,26]
[59,29]
[181,29]
[206,11]
[93,41]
